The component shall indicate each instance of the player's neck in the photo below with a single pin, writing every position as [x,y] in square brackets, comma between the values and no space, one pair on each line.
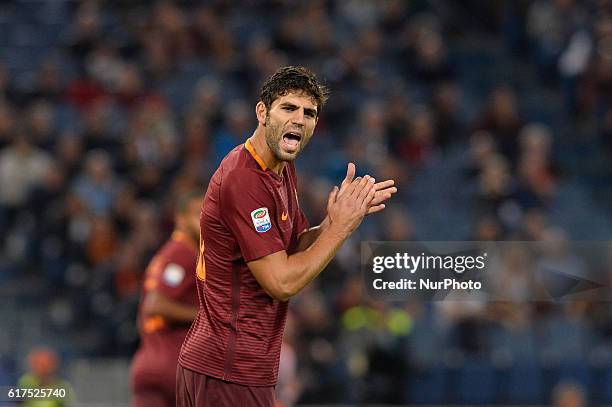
[182,235]
[258,141]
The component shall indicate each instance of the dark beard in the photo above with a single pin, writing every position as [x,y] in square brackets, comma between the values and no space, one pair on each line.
[273,139]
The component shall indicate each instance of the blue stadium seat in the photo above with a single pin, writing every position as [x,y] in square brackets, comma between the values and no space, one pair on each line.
[426,386]
[476,382]
[601,385]
[524,384]
[7,371]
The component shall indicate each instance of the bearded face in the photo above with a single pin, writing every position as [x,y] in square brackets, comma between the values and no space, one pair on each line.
[290,122]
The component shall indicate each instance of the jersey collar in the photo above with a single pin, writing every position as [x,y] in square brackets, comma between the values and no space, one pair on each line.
[254,154]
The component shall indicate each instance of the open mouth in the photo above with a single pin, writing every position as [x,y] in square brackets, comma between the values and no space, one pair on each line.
[292,140]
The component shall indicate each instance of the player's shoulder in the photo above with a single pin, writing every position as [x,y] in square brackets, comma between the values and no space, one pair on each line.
[174,261]
[176,251]
[241,172]
[238,162]
[244,175]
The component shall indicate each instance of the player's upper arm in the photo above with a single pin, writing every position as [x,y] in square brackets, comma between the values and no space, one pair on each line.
[266,271]
[249,211]
[157,303]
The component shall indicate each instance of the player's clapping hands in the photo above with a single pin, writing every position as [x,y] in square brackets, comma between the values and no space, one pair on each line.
[346,208]
[383,190]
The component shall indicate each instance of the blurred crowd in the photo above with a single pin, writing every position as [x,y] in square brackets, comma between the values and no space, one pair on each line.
[494,118]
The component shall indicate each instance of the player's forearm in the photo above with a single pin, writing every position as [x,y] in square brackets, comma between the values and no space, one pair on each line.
[307,238]
[303,267]
[159,304]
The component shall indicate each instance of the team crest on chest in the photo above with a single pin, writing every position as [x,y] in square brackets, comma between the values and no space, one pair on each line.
[261,220]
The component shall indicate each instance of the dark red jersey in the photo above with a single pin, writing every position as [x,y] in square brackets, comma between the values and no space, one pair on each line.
[172,273]
[249,212]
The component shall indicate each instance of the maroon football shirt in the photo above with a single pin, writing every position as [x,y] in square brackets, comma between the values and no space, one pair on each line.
[249,212]
[171,272]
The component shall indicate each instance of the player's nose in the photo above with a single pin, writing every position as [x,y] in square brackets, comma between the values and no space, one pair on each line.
[298,117]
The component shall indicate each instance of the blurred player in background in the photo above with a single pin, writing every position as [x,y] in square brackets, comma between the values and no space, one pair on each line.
[257,251]
[168,305]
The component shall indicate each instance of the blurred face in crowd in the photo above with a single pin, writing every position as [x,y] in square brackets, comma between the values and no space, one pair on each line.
[568,396]
[290,122]
[43,363]
[98,166]
[504,104]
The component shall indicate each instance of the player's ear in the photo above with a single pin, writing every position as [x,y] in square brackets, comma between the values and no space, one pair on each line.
[261,111]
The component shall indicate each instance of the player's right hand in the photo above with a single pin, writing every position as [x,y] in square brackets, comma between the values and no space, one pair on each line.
[347,210]
[383,190]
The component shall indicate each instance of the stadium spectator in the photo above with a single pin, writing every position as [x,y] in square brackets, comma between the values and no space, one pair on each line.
[22,168]
[569,394]
[97,186]
[43,373]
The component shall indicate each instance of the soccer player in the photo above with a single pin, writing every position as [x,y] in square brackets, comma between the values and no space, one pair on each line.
[168,305]
[257,251]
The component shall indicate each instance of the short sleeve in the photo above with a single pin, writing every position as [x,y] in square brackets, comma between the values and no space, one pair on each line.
[249,210]
[175,279]
[171,273]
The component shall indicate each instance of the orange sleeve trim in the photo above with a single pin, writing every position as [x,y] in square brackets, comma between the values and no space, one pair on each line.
[256,156]
[201,266]
[152,324]
[150,284]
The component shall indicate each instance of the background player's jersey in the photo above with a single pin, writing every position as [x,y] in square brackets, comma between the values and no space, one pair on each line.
[248,212]
[172,273]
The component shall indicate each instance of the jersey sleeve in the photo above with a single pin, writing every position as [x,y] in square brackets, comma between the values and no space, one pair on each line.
[249,210]
[171,273]
[176,279]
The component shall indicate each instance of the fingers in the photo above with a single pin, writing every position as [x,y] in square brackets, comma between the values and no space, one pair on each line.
[353,187]
[384,184]
[383,195]
[368,199]
[375,208]
[366,191]
[332,196]
[350,173]
[358,185]
[389,191]
[361,188]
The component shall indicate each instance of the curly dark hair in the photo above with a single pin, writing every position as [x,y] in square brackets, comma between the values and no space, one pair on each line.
[293,78]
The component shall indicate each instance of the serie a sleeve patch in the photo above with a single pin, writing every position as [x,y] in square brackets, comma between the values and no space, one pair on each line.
[261,220]
[173,274]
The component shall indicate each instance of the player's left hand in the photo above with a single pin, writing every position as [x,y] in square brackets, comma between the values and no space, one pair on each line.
[384,190]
